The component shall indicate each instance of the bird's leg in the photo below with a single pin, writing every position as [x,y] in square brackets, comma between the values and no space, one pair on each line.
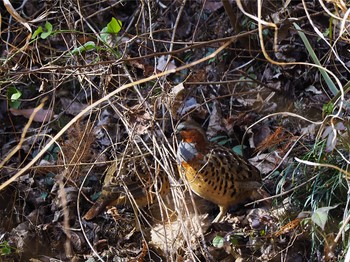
[219,217]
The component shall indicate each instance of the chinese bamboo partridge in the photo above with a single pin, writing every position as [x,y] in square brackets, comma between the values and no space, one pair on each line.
[215,172]
[135,180]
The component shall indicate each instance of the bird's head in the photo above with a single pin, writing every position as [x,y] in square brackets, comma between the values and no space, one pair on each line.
[192,133]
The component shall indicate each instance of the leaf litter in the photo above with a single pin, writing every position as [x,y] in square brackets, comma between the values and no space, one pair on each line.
[215,94]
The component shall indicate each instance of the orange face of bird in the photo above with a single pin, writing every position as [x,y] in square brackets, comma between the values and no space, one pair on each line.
[193,142]
[192,136]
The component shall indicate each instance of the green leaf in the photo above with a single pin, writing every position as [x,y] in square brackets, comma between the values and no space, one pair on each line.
[5,248]
[218,241]
[90,45]
[48,27]
[217,138]
[114,26]
[326,33]
[328,108]
[37,32]
[13,94]
[95,196]
[44,35]
[16,96]
[224,142]
[234,240]
[238,149]
[320,216]
[262,232]
[104,35]
[44,195]
[49,180]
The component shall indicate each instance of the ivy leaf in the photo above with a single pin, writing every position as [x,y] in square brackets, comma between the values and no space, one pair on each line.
[48,27]
[114,26]
[16,95]
[13,94]
[37,32]
[109,33]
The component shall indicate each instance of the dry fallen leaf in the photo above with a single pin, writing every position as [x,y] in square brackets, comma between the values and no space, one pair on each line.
[140,120]
[42,116]
[215,121]
[72,107]
[162,64]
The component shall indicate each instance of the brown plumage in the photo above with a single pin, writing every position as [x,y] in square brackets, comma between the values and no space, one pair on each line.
[134,179]
[215,172]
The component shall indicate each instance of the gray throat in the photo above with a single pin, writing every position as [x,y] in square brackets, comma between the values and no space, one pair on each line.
[186,152]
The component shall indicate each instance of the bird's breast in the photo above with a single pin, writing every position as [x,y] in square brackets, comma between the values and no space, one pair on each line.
[186,152]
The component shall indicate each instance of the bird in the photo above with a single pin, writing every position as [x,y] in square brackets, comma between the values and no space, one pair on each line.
[215,172]
[134,179]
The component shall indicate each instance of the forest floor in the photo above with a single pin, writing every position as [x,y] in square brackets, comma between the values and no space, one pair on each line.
[82,81]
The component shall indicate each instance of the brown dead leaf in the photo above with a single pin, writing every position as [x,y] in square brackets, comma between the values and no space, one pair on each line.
[175,99]
[42,116]
[198,76]
[265,162]
[215,123]
[213,5]
[140,119]
[331,133]
[72,107]
[263,132]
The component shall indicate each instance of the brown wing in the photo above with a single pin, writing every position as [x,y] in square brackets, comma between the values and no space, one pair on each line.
[232,163]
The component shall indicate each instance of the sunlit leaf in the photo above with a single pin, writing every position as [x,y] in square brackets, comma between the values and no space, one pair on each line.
[320,216]
[37,32]
[13,94]
[114,26]
[90,45]
[312,54]
[218,241]
[48,27]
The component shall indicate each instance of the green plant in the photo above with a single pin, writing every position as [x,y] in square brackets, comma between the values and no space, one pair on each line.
[226,141]
[5,248]
[229,240]
[108,36]
[43,33]
[324,193]
[332,87]
[248,79]
[13,96]
[328,108]
[111,30]
[90,45]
